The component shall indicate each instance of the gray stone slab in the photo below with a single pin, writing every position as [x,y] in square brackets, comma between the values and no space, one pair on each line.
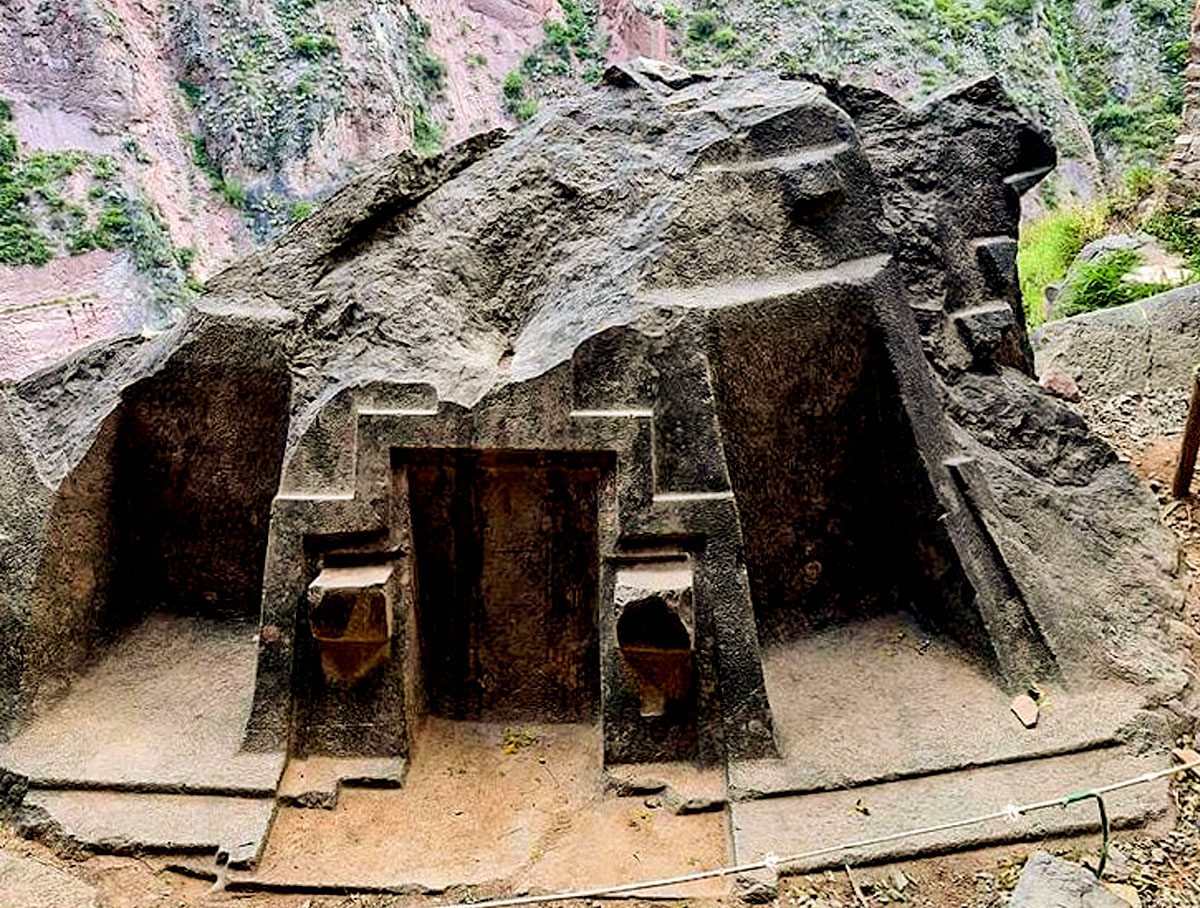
[1144,347]
[682,787]
[126,822]
[882,699]
[317,781]
[1050,882]
[26,883]
[795,825]
[163,711]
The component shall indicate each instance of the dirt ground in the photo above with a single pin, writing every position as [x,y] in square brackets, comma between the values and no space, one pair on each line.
[1155,868]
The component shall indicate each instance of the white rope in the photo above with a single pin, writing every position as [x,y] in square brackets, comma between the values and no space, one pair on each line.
[771,862]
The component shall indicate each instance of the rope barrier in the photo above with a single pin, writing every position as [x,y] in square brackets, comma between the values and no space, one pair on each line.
[772,862]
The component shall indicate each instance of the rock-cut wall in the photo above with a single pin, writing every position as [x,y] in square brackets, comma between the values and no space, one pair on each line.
[753,345]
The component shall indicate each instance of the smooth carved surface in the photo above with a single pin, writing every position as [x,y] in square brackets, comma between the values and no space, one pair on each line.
[163,711]
[789,826]
[506,550]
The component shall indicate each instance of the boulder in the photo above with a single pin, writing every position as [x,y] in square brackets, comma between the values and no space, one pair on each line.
[1050,882]
[1147,347]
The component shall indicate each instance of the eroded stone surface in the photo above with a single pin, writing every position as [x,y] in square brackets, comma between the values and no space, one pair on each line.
[235,828]
[769,329]
[1050,882]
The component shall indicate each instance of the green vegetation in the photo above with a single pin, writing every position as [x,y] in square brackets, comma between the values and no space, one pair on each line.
[1101,283]
[301,209]
[517,99]
[427,135]
[513,86]
[1104,77]
[1047,248]
[192,92]
[20,244]
[703,26]
[232,192]
[133,148]
[516,739]
[672,15]
[271,79]
[23,184]
[429,74]
[314,46]
[45,211]
[1144,132]
[1138,128]
[574,46]
[1050,244]
[1179,232]
[575,36]
[476,61]
[713,42]
[959,20]
[429,71]
[725,37]
[527,109]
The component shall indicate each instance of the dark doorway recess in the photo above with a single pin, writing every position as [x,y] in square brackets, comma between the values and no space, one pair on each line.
[507,571]
[197,465]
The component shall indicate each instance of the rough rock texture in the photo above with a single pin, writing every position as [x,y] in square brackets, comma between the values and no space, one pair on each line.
[40,323]
[762,330]
[1046,477]
[1146,347]
[1050,882]
[223,122]
[1131,366]
[1184,162]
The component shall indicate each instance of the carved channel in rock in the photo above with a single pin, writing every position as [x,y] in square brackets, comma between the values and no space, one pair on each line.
[652,601]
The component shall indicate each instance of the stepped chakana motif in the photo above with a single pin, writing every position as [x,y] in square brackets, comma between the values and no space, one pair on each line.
[669,413]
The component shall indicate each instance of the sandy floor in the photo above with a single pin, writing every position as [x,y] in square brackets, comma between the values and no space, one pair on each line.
[533,815]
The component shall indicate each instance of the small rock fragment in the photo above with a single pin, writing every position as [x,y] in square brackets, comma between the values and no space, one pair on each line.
[1049,881]
[1060,384]
[1025,708]
[1116,869]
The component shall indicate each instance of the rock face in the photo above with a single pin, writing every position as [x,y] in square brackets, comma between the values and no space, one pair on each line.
[218,125]
[1130,367]
[601,409]
[40,323]
[1184,162]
